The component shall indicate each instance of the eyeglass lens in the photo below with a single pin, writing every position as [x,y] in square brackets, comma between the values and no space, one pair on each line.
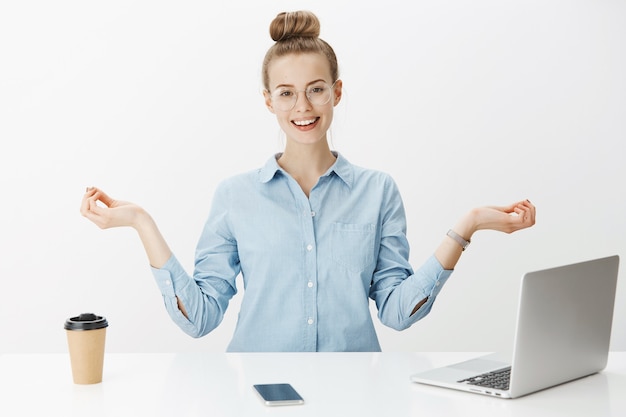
[285,98]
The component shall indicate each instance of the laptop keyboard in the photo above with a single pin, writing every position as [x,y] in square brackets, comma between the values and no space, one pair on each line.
[495,379]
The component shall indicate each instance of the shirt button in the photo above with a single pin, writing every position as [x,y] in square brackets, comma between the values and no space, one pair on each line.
[309,248]
[312,214]
[437,284]
[310,321]
[310,284]
[168,282]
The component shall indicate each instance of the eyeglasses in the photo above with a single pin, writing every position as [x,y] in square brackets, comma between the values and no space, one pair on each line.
[318,94]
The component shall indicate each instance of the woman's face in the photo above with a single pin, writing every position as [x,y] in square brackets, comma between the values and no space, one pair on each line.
[306,122]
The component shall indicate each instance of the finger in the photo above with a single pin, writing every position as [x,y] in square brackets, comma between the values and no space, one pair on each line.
[104,197]
[527,214]
[511,208]
[533,209]
[528,204]
[533,215]
[99,215]
[518,214]
[90,209]
[505,209]
[90,191]
[84,207]
[520,210]
[84,204]
[95,208]
[522,204]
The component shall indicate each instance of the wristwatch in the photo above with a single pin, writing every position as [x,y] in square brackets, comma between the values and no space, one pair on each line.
[454,235]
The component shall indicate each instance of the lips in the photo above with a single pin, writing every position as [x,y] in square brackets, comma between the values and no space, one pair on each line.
[305,124]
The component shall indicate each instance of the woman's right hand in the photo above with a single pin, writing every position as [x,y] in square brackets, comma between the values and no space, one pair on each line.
[114,213]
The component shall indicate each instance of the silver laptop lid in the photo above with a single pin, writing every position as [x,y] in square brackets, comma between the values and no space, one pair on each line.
[564,324]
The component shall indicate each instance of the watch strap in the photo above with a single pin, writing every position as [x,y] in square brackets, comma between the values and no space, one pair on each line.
[456,237]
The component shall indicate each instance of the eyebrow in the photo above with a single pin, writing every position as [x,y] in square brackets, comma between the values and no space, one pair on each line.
[308,84]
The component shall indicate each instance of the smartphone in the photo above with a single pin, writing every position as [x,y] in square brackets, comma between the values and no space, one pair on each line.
[278,394]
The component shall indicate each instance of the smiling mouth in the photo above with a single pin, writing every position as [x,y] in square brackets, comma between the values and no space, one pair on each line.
[305,123]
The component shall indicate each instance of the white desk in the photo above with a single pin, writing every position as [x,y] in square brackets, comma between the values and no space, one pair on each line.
[332,384]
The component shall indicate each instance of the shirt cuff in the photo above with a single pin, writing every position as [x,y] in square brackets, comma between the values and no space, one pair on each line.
[427,283]
[170,277]
[430,278]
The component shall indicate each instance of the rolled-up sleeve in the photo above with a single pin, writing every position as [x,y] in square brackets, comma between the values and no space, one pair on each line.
[396,289]
[168,278]
[396,302]
[207,294]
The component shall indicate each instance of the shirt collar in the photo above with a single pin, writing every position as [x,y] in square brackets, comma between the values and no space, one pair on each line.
[342,168]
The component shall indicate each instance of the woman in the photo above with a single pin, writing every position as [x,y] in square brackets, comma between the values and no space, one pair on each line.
[313,236]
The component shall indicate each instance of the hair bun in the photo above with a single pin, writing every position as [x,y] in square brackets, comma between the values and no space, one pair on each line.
[294,24]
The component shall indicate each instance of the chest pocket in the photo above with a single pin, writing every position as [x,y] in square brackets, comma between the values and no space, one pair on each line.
[352,245]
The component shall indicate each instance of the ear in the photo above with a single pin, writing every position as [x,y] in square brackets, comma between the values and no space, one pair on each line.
[337,92]
[268,101]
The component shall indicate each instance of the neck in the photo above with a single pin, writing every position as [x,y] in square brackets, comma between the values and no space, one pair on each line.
[306,163]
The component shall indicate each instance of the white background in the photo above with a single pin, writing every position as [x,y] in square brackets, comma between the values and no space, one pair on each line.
[464,103]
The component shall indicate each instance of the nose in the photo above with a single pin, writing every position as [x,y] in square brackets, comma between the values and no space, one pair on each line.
[302,104]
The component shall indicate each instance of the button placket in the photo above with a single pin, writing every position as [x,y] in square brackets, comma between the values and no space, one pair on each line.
[309,272]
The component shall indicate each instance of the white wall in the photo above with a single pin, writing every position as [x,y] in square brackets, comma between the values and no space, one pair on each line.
[464,103]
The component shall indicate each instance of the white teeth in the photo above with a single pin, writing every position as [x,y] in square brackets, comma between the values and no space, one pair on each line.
[304,122]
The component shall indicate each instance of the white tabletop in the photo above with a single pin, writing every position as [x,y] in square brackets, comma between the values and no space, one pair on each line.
[332,384]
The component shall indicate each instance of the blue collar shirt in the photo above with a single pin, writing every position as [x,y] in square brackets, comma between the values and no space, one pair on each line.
[309,265]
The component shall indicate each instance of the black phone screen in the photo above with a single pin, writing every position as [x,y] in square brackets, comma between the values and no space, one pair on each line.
[278,394]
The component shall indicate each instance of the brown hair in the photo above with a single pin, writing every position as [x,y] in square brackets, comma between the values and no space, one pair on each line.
[296,33]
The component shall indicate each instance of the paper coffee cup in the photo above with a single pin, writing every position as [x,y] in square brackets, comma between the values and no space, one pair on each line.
[86,335]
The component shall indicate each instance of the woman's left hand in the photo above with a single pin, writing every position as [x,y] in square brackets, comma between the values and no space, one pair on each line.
[508,219]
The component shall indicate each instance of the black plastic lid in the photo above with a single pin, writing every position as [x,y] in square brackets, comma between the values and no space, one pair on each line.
[86,321]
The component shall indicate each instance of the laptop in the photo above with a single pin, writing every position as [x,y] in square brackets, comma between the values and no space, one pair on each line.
[563,333]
